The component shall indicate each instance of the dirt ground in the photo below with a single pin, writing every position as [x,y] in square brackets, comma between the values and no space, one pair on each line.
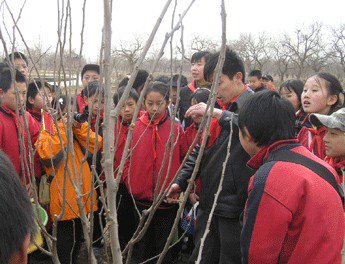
[36,258]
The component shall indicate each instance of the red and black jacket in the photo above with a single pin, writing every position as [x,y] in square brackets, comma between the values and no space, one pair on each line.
[292,215]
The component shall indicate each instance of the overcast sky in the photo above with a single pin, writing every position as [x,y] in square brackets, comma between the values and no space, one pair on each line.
[136,18]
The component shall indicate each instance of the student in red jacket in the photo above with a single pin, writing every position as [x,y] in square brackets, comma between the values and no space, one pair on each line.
[291,90]
[12,126]
[38,97]
[89,73]
[125,209]
[293,213]
[334,138]
[147,176]
[322,94]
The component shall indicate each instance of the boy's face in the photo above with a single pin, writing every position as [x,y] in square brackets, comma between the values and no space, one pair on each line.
[247,143]
[41,99]
[267,83]
[49,94]
[254,82]
[127,111]
[21,66]
[228,88]
[173,95]
[197,69]
[9,97]
[90,76]
[334,142]
[94,104]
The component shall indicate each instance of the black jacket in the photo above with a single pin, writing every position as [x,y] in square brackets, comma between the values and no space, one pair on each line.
[185,95]
[232,198]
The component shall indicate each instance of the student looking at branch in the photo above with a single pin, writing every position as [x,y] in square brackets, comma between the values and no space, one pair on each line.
[294,212]
[62,179]
[222,244]
[147,172]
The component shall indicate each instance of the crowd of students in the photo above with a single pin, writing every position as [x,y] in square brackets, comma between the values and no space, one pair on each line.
[281,181]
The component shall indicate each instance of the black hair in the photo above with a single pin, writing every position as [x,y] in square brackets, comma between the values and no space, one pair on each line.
[92,88]
[201,95]
[140,80]
[90,67]
[123,82]
[16,55]
[55,88]
[174,79]
[334,88]
[162,78]
[32,91]
[60,103]
[293,85]
[267,77]
[268,118]
[255,73]
[232,65]
[132,94]
[6,77]
[197,56]
[159,87]
[17,216]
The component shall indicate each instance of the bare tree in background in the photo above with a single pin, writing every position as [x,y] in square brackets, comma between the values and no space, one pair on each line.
[338,46]
[281,59]
[129,52]
[303,46]
[254,51]
[200,43]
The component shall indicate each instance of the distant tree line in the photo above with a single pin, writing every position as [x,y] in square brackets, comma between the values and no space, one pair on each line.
[311,49]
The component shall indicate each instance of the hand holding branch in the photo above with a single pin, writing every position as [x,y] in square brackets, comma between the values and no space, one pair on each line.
[199,110]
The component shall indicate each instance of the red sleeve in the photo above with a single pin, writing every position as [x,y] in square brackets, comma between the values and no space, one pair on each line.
[34,128]
[271,224]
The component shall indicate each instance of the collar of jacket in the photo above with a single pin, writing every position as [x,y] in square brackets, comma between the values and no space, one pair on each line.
[37,114]
[259,158]
[237,104]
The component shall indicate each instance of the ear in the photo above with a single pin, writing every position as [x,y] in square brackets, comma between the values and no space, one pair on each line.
[238,76]
[248,135]
[21,256]
[31,100]
[332,100]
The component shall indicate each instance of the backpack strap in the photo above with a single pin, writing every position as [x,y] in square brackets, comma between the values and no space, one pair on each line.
[322,171]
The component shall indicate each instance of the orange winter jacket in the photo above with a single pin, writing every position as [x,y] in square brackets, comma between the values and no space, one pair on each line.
[50,151]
